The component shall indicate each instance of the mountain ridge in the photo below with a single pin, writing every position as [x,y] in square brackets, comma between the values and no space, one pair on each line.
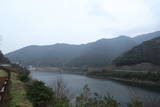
[99,53]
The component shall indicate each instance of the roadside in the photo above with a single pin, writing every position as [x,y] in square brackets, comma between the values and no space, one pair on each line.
[4,88]
[18,92]
[12,93]
[3,73]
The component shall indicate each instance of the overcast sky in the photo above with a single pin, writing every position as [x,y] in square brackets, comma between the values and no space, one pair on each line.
[44,22]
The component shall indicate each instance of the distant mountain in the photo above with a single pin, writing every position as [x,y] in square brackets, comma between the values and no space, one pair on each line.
[3,60]
[99,53]
[141,38]
[102,52]
[52,55]
[147,52]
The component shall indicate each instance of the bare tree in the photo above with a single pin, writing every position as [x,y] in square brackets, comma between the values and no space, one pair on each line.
[61,90]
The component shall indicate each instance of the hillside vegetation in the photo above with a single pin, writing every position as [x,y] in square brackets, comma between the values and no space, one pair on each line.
[147,52]
[18,92]
[3,59]
[2,73]
[102,52]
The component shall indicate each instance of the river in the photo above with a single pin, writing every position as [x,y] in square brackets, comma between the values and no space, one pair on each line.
[119,90]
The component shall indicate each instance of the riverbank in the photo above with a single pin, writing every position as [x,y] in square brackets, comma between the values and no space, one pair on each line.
[139,77]
[127,80]
[78,71]
[147,78]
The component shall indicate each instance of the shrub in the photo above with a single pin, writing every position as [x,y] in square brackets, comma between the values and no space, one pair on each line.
[60,102]
[61,96]
[135,102]
[86,99]
[39,94]
[24,76]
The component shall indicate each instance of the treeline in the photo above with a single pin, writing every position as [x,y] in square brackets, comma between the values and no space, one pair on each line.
[148,51]
[145,76]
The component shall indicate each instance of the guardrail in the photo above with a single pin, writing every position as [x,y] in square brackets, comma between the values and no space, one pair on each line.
[4,88]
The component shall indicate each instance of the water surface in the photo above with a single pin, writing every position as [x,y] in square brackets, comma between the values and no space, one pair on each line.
[119,90]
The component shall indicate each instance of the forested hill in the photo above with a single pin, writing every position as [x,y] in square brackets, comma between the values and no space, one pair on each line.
[98,53]
[102,52]
[52,55]
[147,52]
[3,59]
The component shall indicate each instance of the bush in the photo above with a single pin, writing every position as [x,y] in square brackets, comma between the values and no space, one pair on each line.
[24,76]
[60,102]
[135,102]
[61,91]
[39,94]
[86,99]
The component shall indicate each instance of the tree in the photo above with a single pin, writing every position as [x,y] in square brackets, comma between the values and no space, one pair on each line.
[39,94]
[61,94]
[24,76]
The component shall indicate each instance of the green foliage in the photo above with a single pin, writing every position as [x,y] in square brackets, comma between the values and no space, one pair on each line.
[39,94]
[23,73]
[42,96]
[24,76]
[135,102]
[3,73]
[60,102]
[18,92]
[149,76]
[148,51]
[3,59]
[86,99]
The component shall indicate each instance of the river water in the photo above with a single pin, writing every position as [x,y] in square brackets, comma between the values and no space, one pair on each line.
[123,92]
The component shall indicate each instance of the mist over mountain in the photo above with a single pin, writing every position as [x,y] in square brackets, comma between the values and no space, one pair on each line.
[99,53]
[147,52]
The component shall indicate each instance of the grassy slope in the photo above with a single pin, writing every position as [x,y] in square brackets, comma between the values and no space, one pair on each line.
[18,93]
[3,73]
